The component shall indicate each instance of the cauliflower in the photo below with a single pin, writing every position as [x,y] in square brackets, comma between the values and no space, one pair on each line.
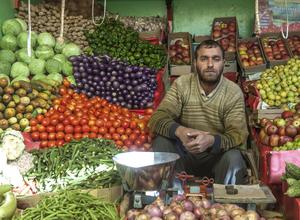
[12,144]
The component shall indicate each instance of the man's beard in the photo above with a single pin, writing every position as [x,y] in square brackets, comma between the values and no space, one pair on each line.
[209,80]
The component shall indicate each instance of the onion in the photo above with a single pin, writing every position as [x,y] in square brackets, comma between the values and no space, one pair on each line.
[217,205]
[154,211]
[177,209]
[225,217]
[205,203]
[198,212]
[251,215]
[167,210]
[132,213]
[188,205]
[143,216]
[230,207]
[156,218]
[187,215]
[171,216]
[238,211]
[221,213]
[178,198]
[213,211]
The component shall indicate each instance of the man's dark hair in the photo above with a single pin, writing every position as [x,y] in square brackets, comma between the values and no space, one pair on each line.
[208,44]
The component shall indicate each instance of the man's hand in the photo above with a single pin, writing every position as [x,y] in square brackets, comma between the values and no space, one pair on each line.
[182,133]
[200,141]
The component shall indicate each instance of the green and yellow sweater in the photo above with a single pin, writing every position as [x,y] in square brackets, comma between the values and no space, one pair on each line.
[222,113]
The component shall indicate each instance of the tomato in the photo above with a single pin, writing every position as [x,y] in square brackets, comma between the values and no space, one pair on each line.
[35,136]
[60,142]
[56,102]
[62,90]
[132,137]
[33,128]
[75,121]
[92,123]
[99,123]
[124,137]
[61,109]
[108,124]
[149,111]
[59,127]
[115,136]
[43,136]
[50,129]
[143,138]
[39,118]
[66,83]
[83,121]
[66,122]
[33,122]
[107,136]
[99,136]
[60,135]
[68,137]
[120,130]
[138,142]
[125,124]
[136,131]
[51,136]
[69,129]
[41,128]
[133,125]
[119,143]
[77,129]
[128,143]
[54,122]
[51,143]
[94,129]
[116,123]
[77,136]
[44,144]
[128,131]
[85,135]
[102,130]
[92,135]
[85,129]
[61,117]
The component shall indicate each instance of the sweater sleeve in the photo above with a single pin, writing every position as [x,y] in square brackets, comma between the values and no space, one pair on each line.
[236,131]
[163,121]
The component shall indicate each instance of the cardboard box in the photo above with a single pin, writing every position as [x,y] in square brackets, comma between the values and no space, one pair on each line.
[272,63]
[177,70]
[107,194]
[256,68]
[200,38]
[150,34]
[266,113]
[292,34]
[229,66]
[228,55]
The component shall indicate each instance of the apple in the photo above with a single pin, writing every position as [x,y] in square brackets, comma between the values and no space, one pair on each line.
[264,121]
[266,140]
[297,137]
[272,129]
[287,114]
[284,139]
[274,140]
[296,123]
[279,122]
[291,130]
[281,131]
[216,34]
[261,134]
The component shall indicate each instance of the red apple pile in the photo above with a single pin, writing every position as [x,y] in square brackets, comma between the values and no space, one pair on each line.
[294,44]
[250,53]
[179,53]
[275,49]
[224,32]
[279,131]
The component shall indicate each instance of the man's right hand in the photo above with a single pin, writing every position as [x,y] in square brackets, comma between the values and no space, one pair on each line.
[182,133]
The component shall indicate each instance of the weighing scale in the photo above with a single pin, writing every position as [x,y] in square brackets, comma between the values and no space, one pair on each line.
[146,175]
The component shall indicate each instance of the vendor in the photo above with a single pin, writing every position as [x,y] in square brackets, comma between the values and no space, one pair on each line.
[202,118]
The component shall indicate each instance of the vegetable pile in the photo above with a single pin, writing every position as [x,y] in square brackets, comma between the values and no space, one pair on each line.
[122,84]
[8,202]
[71,205]
[292,176]
[20,102]
[114,39]
[75,116]
[46,63]
[86,163]
[191,208]
[46,18]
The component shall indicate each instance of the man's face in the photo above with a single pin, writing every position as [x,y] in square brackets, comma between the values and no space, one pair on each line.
[209,64]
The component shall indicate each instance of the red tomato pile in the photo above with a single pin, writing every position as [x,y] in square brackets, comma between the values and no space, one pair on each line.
[75,116]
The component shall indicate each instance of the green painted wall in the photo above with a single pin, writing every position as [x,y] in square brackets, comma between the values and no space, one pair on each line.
[196,16]
[136,7]
[6,10]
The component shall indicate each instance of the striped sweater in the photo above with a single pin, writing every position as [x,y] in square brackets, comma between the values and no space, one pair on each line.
[223,114]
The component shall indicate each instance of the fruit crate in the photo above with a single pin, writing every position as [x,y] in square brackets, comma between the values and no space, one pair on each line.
[227,38]
[154,37]
[283,57]
[184,68]
[291,208]
[245,60]
[294,37]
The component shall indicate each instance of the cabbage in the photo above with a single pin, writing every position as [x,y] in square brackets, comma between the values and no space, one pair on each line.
[54,79]
[71,79]
[11,26]
[37,66]
[20,78]
[39,77]
[44,52]
[7,55]
[22,23]
[59,46]
[5,67]
[53,66]
[22,55]
[71,49]
[46,39]
[61,58]
[8,42]
[18,69]
[23,38]
[67,68]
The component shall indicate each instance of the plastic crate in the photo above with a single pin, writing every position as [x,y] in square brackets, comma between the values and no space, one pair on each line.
[291,208]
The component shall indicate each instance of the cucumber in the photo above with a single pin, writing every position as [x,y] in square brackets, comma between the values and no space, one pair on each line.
[293,171]
[5,188]
[8,207]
